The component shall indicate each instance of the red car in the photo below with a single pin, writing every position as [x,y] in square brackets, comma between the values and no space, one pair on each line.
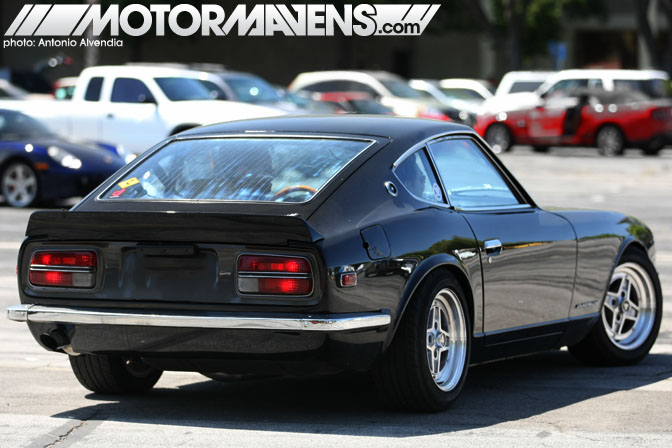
[610,121]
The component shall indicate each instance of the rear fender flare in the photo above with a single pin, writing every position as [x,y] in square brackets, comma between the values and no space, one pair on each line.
[445,261]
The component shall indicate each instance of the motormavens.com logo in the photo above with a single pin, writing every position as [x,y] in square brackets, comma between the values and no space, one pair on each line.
[72,21]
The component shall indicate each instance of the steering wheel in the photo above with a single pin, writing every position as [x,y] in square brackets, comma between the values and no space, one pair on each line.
[293,188]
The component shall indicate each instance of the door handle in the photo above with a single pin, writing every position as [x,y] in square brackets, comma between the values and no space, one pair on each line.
[493,248]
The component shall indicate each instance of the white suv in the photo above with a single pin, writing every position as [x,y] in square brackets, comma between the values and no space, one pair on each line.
[650,82]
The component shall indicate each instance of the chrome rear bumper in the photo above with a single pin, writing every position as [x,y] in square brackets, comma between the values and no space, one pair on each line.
[234,321]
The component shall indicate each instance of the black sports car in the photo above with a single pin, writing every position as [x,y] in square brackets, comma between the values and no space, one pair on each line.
[306,245]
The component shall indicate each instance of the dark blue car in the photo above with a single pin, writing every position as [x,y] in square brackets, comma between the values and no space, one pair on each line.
[37,165]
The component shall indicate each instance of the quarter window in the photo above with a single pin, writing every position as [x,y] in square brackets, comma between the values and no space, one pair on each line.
[468,176]
[418,177]
[93,89]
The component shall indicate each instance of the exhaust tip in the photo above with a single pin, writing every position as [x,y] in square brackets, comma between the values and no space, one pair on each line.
[54,340]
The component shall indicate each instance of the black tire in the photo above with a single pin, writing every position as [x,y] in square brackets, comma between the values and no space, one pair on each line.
[106,374]
[499,138]
[654,147]
[597,348]
[610,141]
[541,149]
[25,194]
[403,377]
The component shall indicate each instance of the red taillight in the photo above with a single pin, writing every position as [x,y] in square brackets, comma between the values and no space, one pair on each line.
[293,286]
[64,269]
[80,259]
[274,275]
[348,279]
[268,263]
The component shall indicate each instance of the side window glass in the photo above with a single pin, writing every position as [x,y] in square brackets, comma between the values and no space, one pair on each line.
[93,89]
[355,86]
[327,86]
[418,177]
[595,83]
[566,86]
[468,176]
[130,90]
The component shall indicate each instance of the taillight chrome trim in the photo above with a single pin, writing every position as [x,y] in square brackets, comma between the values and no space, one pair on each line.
[256,274]
[45,267]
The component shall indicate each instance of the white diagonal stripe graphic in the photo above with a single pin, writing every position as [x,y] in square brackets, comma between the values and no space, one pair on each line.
[17,21]
[419,14]
[422,14]
[33,20]
[61,20]
[415,13]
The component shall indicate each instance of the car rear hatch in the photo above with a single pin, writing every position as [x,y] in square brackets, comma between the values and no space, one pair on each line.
[159,257]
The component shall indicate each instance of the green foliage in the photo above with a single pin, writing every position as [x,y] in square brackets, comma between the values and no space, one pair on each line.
[542,20]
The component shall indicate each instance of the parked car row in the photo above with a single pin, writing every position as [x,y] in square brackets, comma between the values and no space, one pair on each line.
[134,106]
[609,120]
[608,109]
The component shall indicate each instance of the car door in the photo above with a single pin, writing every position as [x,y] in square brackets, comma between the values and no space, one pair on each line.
[87,120]
[528,255]
[132,118]
[545,121]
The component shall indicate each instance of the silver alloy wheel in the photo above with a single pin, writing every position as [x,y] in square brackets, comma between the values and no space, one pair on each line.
[19,185]
[629,309]
[610,141]
[446,340]
[498,137]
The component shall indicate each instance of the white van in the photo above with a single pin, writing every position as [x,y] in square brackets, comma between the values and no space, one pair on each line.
[649,82]
[519,81]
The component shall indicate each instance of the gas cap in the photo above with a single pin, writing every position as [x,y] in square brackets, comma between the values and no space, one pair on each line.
[375,242]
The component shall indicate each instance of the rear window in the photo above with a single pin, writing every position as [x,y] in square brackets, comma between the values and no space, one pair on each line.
[238,169]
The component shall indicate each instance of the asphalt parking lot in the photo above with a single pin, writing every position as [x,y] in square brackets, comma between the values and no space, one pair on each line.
[542,400]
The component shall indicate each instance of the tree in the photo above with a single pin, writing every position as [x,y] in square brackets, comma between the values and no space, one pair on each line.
[666,6]
[523,28]
[642,10]
[651,42]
